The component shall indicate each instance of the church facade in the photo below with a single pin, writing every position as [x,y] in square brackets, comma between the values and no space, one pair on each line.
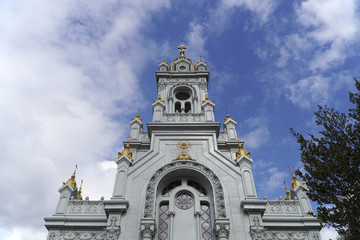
[183,178]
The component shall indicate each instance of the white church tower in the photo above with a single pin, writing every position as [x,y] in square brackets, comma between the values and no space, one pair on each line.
[183,179]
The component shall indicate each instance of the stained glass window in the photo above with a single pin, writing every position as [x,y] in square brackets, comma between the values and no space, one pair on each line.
[168,188]
[163,226]
[201,191]
[205,221]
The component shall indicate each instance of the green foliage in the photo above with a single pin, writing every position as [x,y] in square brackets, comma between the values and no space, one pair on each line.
[331,159]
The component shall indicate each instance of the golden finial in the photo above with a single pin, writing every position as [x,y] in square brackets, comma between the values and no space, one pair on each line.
[182,51]
[137,117]
[206,98]
[79,197]
[241,151]
[159,99]
[287,197]
[72,181]
[295,182]
[228,116]
[126,151]
[184,145]
[201,61]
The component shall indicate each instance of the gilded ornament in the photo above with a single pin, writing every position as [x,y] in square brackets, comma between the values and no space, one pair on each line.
[242,152]
[79,196]
[71,181]
[287,197]
[184,156]
[207,99]
[126,152]
[228,116]
[295,182]
[159,99]
[137,117]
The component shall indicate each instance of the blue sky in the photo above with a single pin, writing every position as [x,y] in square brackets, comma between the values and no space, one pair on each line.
[74,73]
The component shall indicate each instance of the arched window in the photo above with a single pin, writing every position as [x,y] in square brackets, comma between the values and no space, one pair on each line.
[177,107]
[184,210]
[187,107]
[183,99]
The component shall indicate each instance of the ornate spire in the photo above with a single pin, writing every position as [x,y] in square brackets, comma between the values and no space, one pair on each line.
[184,145]
[242,152]
[126,151]
[159,99]
[228,116]
[72,181]
[79,197]
[137,117]
[295,182]
[182,51]
[287,197]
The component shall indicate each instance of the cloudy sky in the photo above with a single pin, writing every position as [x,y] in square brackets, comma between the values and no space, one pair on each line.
[74,73]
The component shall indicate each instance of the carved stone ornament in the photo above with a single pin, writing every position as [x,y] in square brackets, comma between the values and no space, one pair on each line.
[83,235]
[113,230]
[147,230]
[184,201]
[171,91]
[217,188]
[52,236]
[222,230]
[262,234]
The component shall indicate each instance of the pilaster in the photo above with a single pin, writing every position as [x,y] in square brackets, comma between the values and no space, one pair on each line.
[248,180]
[123,164]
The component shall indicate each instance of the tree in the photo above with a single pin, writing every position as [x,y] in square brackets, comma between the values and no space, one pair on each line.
[331,160]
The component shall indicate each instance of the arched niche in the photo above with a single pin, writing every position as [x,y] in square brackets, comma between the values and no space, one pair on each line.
[189,169]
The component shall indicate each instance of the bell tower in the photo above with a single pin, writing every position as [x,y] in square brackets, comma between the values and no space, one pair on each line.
[182,86]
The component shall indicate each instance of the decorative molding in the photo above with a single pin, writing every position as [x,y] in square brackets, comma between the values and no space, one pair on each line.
[171,91]
[217,188]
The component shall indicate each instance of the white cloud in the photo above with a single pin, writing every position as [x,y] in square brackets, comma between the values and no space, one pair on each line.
[259,133]
[274,179]
[196,41]
[309,90]
[335,23]
[221,15]
[65,67]
[242,99]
